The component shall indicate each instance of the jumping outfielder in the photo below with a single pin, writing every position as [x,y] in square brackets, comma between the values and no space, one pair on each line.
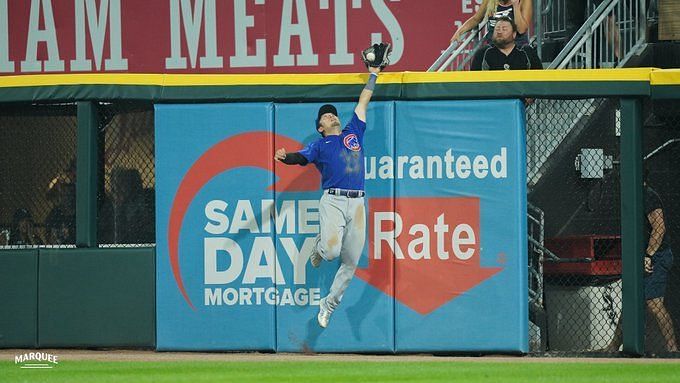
[339,157]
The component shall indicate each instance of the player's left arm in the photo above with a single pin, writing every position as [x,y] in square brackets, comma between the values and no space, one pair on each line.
[290,158]
[366,94]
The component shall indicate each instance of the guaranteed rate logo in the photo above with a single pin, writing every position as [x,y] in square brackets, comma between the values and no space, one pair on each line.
[36,360]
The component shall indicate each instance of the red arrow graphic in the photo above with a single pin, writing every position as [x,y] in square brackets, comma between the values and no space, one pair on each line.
[253,149]
[428,282]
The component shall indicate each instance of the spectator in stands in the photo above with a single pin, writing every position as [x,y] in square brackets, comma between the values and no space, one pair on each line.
[4,237]
[504,54]
[23,231]
[520,11]
[658,261]
[127,214]
[60,224]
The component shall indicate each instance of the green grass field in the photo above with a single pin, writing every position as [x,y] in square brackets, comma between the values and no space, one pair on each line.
[334,371]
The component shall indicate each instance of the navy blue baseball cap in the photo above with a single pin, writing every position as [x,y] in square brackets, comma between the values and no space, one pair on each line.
[326,108]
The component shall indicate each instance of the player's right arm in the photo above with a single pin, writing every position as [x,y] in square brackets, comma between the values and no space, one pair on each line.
[290,158]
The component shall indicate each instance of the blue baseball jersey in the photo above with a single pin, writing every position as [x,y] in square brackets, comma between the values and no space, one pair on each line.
[340,159]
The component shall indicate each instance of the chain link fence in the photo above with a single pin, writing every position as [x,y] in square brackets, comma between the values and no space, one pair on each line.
[126,192]
[37,186]
[574,224]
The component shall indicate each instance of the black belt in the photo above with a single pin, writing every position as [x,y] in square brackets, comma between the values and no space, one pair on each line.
[347,193]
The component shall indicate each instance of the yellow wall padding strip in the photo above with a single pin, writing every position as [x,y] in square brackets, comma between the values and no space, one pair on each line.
[279,79]
[81,79]
[563,75]
[654,76]
[194,79]
[666,77]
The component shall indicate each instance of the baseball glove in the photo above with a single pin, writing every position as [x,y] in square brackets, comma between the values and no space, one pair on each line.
[377,55]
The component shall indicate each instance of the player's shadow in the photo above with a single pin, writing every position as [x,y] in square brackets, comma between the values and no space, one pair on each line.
[326,272]
[313,333]
[357,313]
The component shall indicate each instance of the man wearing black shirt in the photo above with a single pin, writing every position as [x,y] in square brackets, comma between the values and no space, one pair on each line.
[658,261]
[504,54]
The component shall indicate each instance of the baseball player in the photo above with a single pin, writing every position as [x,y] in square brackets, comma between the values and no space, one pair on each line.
[339,157]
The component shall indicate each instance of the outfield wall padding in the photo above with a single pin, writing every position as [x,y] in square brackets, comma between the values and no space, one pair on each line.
[19,298]
[96,298]
[444,265]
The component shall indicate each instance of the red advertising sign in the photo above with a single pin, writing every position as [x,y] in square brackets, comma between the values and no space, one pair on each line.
[221,36]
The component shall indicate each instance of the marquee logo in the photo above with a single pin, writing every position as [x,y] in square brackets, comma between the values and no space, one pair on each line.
[38,360]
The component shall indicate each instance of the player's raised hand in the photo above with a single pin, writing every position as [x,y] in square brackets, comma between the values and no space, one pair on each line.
[280,154]
[377,56]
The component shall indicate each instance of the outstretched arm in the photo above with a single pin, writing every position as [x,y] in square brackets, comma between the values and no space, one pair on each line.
[290,158]
[366,94]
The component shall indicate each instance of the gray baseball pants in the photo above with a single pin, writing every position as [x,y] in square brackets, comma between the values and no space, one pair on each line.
[342,234]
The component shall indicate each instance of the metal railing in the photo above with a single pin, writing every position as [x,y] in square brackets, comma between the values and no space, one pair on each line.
[537,250]
[553,20]
[458,55]
[551,23]
[614,31]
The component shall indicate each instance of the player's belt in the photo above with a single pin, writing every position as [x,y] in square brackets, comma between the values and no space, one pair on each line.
[347,193]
